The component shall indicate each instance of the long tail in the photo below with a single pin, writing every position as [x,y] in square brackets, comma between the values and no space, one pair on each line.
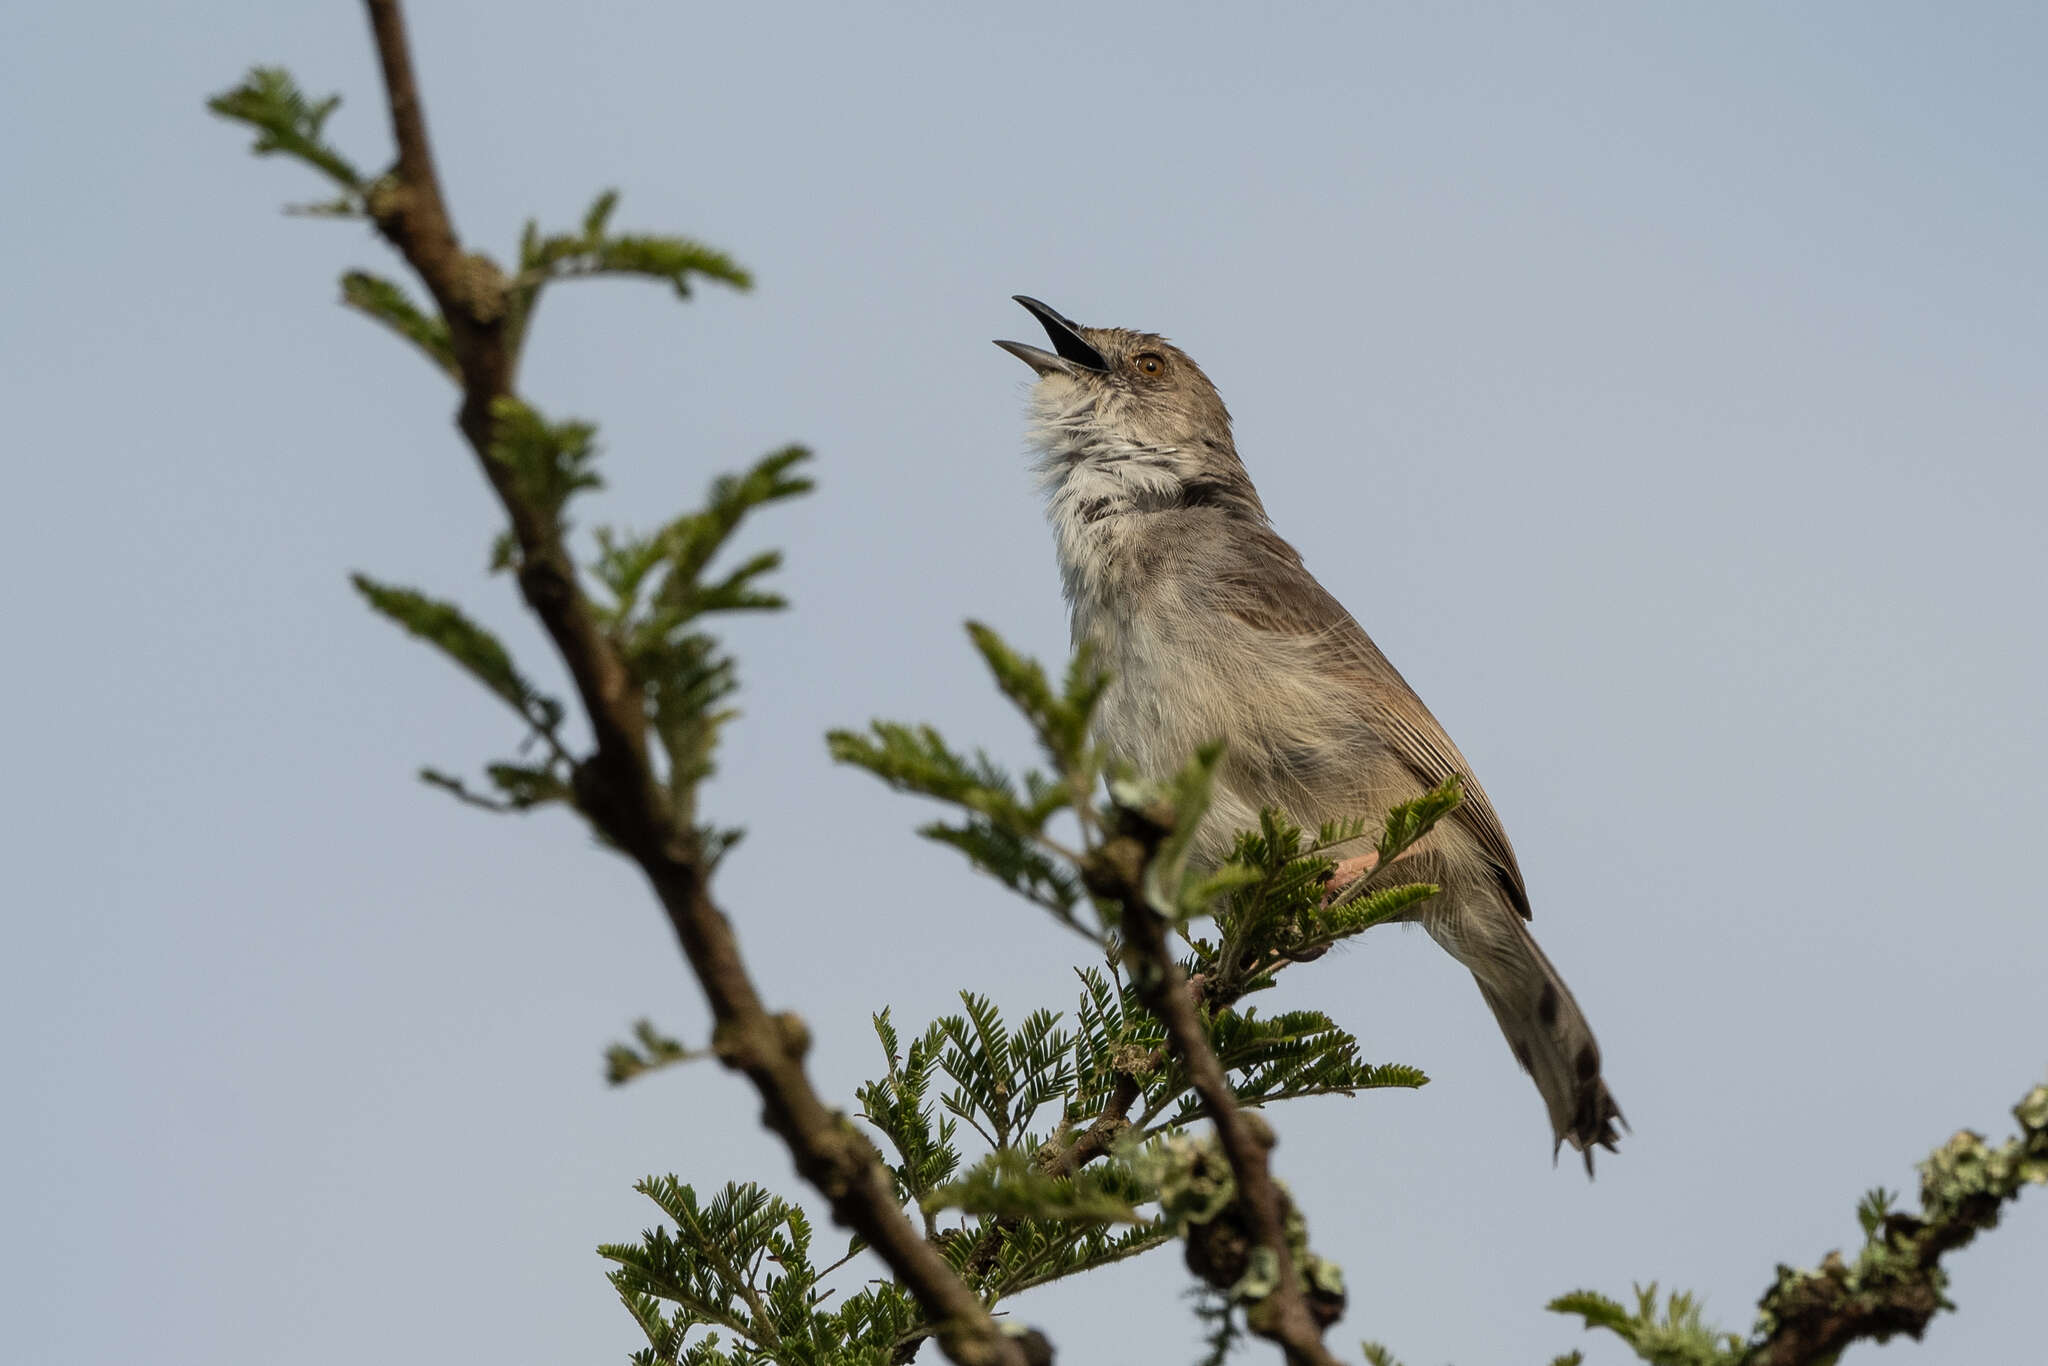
[1543,1024]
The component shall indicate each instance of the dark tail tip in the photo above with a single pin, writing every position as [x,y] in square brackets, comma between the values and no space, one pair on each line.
[1593,1123]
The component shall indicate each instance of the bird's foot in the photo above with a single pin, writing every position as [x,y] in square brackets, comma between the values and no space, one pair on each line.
[1346,873]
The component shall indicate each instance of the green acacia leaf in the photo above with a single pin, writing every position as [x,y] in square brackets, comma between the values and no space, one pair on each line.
[1347,918]
[1007,1185]
[447,628]
[549,462]
[387,303]
[286,122]
[649,1051]
[1410,821]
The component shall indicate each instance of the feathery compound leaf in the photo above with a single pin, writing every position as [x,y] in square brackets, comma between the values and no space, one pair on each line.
[1061,719]
[1199,896]
[918,759]
[1410,821]
[1676,1338]
[1221,1311]
[1873,1209]
[657,581]
[1271,904]
[1005,1184]
[688,544]
[1013,861]
[1294,1054]
[1034,1252]
[1003,1077]
[550,462]
[977,1057]
[525,786]
[521,787]
[676,260]
[1595,1308]
[1377,1355]
[595,250]
[650,1051]
[387,303]
[1333,833]
[898,1106]
[661,597]
[1117,1043]
[479,653]
[742,1263]
[1375,908]
[456,788]
[598,214]
[1042,1066]
[270,101]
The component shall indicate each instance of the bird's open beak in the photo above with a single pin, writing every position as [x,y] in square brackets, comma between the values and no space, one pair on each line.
[1074,351]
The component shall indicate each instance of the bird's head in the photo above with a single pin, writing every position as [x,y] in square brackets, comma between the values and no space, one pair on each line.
[1110,392]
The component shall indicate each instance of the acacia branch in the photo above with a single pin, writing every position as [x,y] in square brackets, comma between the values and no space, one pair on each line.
[1101,1135]
[617,787]
[1896,1283]
[1115,871]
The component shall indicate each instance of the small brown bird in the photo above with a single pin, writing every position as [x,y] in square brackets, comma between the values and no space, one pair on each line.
[1212,628]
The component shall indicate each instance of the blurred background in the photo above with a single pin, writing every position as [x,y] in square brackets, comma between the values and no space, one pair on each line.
[1665,388]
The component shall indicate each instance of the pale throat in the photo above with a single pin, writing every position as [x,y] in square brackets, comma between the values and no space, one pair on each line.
[1088,468]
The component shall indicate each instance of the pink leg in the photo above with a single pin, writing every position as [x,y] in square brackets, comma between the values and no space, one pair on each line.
[1348,872]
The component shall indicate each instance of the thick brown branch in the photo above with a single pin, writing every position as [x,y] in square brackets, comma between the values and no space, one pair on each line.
[1284,1317]
[1896,1284]
[617,787]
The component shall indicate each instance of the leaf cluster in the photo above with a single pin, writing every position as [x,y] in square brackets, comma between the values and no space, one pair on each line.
[1119,1092]
[384,301]
[1038,1149]
[1676,1336]
[1003,826]
[287,123]
[661,586]
[1023,1223]
[653,595]
[594,249]
[731,1282]
[650,1051]
[1270,900]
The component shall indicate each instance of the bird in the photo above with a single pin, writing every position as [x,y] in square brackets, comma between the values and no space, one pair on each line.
[1210,627]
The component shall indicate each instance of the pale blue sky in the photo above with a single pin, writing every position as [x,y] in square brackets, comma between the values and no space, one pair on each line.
[1665,388]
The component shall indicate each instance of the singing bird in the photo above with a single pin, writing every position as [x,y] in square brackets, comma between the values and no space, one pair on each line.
[1211,628]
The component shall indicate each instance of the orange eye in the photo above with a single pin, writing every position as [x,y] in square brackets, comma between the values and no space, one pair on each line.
[1151,363]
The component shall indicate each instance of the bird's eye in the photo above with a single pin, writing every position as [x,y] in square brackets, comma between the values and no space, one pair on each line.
[1151,363]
